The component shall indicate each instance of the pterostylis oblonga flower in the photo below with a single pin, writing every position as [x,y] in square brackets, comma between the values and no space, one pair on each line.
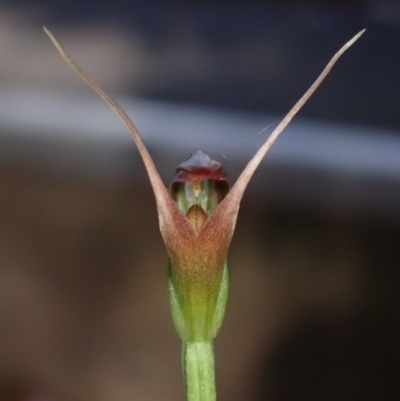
[197,217]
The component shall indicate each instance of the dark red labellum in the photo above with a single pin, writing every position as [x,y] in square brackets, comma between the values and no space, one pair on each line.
[199,167]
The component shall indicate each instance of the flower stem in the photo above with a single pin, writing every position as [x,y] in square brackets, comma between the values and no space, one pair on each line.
[199,370]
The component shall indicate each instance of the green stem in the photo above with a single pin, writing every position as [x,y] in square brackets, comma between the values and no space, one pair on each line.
[199,370]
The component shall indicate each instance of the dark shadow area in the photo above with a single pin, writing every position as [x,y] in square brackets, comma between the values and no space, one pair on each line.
[350,356]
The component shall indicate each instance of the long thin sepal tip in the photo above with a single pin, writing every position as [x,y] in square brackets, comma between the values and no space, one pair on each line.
[241,183]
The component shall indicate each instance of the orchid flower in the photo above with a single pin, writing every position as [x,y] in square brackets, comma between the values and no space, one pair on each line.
[197,218]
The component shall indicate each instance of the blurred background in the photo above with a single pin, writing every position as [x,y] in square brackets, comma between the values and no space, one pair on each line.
[315,300]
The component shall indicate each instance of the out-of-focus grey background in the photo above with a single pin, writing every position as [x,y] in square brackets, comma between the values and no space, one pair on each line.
[315,300]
